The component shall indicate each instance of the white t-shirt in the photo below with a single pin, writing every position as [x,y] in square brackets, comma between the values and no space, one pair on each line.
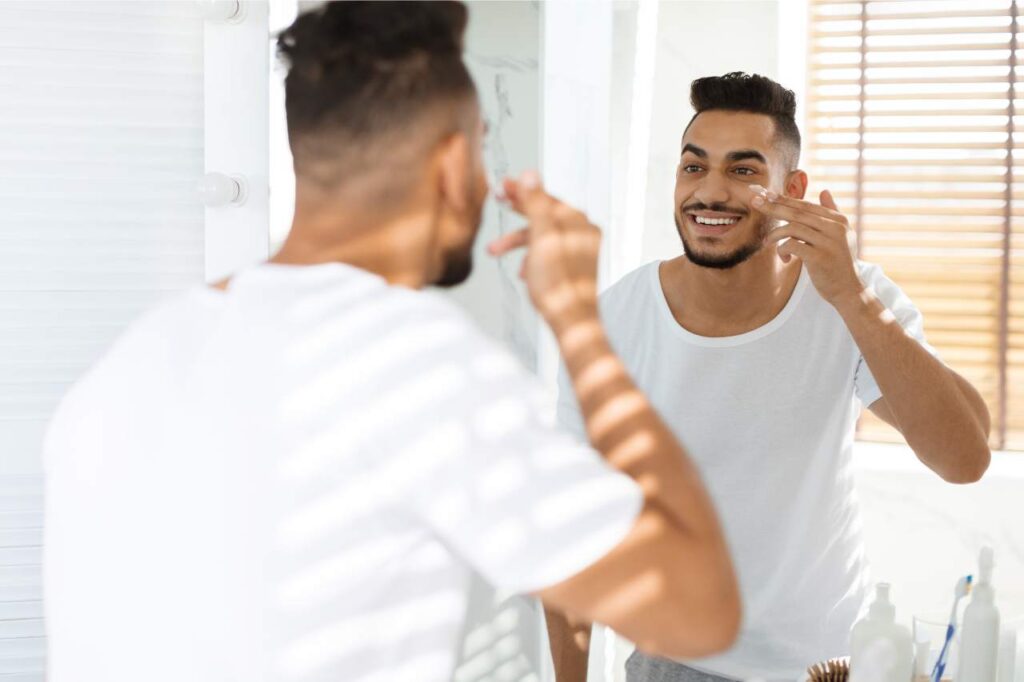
[293,479]
[768,417]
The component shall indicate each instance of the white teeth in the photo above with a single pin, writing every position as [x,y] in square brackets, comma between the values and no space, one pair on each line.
[715,221]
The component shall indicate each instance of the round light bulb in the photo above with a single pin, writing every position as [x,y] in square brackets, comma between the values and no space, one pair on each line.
[217,189]
[219,10]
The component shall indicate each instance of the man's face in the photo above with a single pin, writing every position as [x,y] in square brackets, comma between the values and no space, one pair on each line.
[459,238]
[723,153]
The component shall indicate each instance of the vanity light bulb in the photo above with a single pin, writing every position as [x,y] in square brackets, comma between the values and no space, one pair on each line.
[219,10]
[218,189]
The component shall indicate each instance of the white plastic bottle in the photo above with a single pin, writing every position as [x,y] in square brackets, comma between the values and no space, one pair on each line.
[979,641]
[1007,654]
[880,649]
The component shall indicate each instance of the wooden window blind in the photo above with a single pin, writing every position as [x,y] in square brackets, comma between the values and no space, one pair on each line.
[912,114]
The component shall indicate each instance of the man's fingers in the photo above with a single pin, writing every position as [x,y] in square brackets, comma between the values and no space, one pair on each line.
[508,242]
[795,231]
[782,211]
[507,193]
[828,201]
[796,248]
[583,242]
[529,198]
[827,212]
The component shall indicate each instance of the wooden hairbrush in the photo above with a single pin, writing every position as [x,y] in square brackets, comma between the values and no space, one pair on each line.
[832,670]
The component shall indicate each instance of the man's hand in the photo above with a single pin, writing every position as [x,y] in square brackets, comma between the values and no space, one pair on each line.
[560,267]
[821,237]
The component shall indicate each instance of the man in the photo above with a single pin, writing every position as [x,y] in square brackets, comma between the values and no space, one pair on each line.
[290,475]
[754,346]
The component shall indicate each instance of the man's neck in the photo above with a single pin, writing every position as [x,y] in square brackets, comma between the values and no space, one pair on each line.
[395,248]
[712,302]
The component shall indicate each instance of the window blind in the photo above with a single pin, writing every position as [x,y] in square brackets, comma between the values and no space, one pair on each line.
[912,114]
[101,144]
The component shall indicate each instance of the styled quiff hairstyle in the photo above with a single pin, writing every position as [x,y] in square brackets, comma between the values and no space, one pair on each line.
[738,91]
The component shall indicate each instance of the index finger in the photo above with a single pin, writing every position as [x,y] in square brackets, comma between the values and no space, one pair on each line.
[528,196]
[804,206]
[509,241]
[799,216]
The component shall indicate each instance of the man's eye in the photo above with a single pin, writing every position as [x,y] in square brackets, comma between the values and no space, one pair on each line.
[692,168]
[746,171]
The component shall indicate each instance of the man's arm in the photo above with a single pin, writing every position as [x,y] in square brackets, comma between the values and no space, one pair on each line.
[669,584]
[940,414]
[570,645]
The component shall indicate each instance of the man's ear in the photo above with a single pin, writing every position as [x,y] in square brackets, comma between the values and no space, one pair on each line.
[796,184]
[452,161]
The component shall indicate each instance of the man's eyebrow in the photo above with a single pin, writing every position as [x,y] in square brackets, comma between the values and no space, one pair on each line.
[695,150]
[743,154]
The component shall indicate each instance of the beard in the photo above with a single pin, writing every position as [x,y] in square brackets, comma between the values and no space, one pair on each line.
[724,261]
[458,265]
[458,261]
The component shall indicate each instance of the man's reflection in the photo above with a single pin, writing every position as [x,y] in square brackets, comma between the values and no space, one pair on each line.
[755,346]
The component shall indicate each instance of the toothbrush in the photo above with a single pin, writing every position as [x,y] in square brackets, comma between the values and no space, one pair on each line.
[963,588]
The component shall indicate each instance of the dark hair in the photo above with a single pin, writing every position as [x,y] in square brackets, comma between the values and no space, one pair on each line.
[738,91]
[360,72]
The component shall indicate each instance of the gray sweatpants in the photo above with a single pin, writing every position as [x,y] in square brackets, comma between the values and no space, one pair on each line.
[643,668]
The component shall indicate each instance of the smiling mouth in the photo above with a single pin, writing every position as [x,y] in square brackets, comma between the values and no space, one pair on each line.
[702,220]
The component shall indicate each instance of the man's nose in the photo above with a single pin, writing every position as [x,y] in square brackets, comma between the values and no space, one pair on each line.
[712,190]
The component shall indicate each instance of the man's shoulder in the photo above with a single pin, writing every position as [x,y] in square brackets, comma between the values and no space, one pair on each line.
[134,363]
[440,323]
[153,332]
[633,291]
[434,307]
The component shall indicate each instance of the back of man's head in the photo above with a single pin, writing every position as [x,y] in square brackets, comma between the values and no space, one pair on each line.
[751,93]
[371,88]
